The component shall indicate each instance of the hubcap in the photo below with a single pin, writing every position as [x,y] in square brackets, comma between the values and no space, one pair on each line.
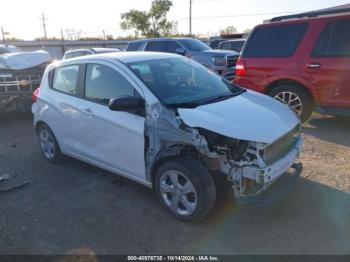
[178,193]
[292,100]
[47,144]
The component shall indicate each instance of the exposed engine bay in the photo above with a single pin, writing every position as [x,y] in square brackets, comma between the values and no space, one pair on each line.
[248,165]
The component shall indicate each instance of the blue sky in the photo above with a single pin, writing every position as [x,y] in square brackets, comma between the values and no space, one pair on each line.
[21,18]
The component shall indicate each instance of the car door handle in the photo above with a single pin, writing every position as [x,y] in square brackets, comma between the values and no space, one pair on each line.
[313,66]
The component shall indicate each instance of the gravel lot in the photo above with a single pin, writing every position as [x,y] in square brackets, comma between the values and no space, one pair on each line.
[73,207]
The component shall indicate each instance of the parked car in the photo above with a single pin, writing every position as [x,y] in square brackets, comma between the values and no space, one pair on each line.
[302,60]
[234,45]
[88,51]
[219,61]
[168,123]
[214,44]
[20,75]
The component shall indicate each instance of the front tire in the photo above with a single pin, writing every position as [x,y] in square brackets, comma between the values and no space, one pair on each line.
[296,98]
[185,188]
[48,144]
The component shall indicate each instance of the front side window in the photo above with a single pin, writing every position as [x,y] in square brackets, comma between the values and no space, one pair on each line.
[134,46]
[334,40]
[103,83]
[276,41]
[194,45]
[172,46]
[156,46]
[180,82]
[66,78]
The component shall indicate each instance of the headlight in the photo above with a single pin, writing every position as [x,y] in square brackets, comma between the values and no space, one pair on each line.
[219,60]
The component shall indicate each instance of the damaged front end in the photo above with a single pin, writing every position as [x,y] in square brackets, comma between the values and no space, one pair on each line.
[249,166]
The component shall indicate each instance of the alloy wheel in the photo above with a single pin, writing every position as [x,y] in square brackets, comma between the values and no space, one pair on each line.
[47,144]
[292,100]
[178,193]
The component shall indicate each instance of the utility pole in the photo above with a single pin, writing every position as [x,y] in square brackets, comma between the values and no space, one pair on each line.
[104,35]
[191,1]
[3,36]
[62,35]
[44,24]
[63,43]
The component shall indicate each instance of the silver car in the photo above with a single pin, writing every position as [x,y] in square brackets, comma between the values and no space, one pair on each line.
[168,123]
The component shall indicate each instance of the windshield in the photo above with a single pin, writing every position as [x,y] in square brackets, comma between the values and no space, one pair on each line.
[181,82]
[194,44]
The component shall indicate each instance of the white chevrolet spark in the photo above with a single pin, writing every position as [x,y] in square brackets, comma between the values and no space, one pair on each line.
[168,123]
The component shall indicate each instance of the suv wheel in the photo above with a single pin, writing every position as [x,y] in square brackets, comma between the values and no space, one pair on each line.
[185,188]
[48,143]
[296,98]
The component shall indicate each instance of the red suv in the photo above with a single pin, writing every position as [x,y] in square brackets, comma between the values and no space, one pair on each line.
[303,62]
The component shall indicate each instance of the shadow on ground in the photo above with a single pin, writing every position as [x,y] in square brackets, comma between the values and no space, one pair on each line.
[331,129]
[73,207]
[78,207]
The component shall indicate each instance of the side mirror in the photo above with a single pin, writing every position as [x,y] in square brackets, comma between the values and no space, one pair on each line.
[180,51]
[127,104]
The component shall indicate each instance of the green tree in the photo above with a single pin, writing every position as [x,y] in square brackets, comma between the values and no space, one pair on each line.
[247,31]
[228,30]
[152,23]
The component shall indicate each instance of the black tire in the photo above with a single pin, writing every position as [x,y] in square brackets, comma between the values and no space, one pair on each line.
[55,154]
[201,180]
[306,100]
[224,190]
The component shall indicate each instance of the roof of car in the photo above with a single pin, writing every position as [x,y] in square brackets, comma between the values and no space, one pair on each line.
[105,49]
[162,39]
[125,57]
[234,40]
[78,50]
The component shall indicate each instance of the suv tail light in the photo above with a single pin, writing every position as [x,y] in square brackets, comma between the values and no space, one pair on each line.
[241,69]
[35,95]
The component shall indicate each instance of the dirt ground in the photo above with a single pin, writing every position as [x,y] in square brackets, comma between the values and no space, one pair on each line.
[73,207]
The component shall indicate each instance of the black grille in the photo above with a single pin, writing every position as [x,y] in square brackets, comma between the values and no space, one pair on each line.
[231,61]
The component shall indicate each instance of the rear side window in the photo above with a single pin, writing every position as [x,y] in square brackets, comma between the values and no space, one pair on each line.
[275,41]
[66,78]
[157,46]
[103,83]
[334,40]
[172,46]
[134,46]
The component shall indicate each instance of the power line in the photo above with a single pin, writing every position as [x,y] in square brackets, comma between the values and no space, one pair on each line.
[239,15]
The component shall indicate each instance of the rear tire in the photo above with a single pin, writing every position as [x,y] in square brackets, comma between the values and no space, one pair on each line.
[296,98]
[48,144]
[185,188]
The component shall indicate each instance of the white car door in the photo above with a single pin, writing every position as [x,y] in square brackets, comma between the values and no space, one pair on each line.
[111,139]
[60,109]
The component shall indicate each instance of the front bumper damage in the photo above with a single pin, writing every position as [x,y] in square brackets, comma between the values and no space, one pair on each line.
[264,176]
[250,173]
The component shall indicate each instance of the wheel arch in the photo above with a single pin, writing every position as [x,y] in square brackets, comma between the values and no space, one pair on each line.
[287,81]
[170,153]
[39,124]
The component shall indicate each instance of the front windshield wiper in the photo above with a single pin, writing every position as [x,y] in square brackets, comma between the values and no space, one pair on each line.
[222,97]
[183,105]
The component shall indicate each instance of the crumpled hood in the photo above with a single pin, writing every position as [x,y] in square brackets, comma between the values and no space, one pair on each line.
[24,60]
[250,116]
